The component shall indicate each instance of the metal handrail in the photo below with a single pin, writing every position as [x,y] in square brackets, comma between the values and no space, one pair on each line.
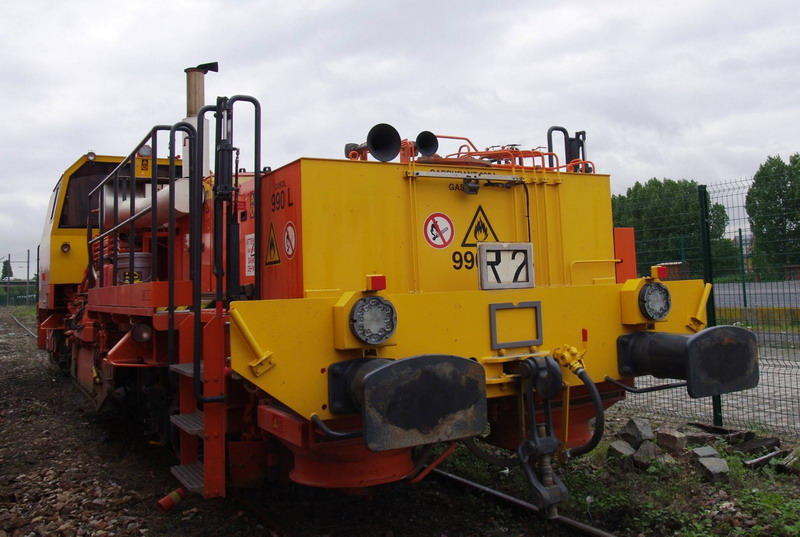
[114,178]
[224,113]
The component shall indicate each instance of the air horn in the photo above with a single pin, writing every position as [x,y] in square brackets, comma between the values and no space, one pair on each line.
[384,144]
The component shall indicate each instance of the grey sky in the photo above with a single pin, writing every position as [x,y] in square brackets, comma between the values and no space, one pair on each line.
[700,90]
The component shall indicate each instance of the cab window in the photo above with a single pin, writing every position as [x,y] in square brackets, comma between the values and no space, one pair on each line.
[76,200]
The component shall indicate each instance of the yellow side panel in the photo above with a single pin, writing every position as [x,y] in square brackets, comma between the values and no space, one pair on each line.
[68,267]
[492,215]
[587,229]
[290,332]
[422,232]
[355,222]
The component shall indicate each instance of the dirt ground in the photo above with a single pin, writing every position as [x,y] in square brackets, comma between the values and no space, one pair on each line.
[68,471]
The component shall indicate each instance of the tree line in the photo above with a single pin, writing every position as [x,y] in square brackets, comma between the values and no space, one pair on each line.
[666,216]
[773,208]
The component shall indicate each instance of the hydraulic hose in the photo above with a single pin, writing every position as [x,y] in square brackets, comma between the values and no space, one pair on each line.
[599,424]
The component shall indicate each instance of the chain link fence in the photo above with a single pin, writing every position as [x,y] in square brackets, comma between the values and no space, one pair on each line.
[755,266]
[23,294]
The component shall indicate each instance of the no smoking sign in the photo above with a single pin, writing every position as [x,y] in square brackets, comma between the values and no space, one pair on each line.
[289,239]
[438,230]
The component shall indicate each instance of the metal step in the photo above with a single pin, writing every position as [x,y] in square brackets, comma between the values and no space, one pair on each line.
[187,370]
[191,423]
[190,476]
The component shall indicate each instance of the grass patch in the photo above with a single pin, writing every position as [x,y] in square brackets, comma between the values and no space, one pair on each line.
[664,499]
[23,313]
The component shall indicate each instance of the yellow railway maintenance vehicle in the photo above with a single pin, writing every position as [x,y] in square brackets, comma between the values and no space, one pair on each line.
[326,319]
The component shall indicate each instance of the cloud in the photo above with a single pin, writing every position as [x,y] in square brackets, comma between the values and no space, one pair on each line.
[699,90]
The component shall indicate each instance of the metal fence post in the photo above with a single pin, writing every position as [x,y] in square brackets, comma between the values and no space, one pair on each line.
[708,277]
[28,280]
[37,274]
[8,281]
[743,271]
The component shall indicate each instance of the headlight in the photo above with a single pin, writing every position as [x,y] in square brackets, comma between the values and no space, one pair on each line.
[654,301]
[141,333]
[373,320]
[145,151]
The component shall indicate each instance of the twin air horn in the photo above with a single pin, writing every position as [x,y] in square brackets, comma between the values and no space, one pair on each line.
[384,144]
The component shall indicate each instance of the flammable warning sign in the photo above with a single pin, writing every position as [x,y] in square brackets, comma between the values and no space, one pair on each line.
[273,255]
[480,230]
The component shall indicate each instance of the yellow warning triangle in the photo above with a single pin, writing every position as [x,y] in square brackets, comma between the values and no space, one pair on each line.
[480,230]
[273,255]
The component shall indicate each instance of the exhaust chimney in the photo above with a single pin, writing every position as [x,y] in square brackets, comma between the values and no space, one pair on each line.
[195,100]
[195,87]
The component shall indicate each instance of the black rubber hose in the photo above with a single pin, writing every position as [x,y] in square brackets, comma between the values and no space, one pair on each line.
[599,422]
[340,435]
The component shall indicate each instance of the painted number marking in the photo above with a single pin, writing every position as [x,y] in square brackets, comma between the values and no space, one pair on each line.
[511,274]
[289,240]
[281,199]
[463,260]
[438,230]
[505,265]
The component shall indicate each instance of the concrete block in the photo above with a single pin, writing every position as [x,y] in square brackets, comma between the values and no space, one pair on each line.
[714,469]
[646,454]
[671,439]
[636,431]
[704,451]
[621,453]
[620,448]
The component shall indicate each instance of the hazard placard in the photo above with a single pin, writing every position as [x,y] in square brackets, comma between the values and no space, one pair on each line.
[289,239]
[438,230]
[273,255]
[250,254]
[480,230]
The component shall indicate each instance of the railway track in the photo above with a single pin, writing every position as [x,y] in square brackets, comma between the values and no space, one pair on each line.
[574,527]
[28,330]
[276,529]
[584,529]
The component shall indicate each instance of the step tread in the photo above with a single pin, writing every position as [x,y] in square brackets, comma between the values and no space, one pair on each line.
[191,476]
[192,423]
[187,370]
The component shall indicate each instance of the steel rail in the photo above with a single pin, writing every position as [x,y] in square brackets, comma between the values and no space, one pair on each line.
[22,325]
[560,519]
